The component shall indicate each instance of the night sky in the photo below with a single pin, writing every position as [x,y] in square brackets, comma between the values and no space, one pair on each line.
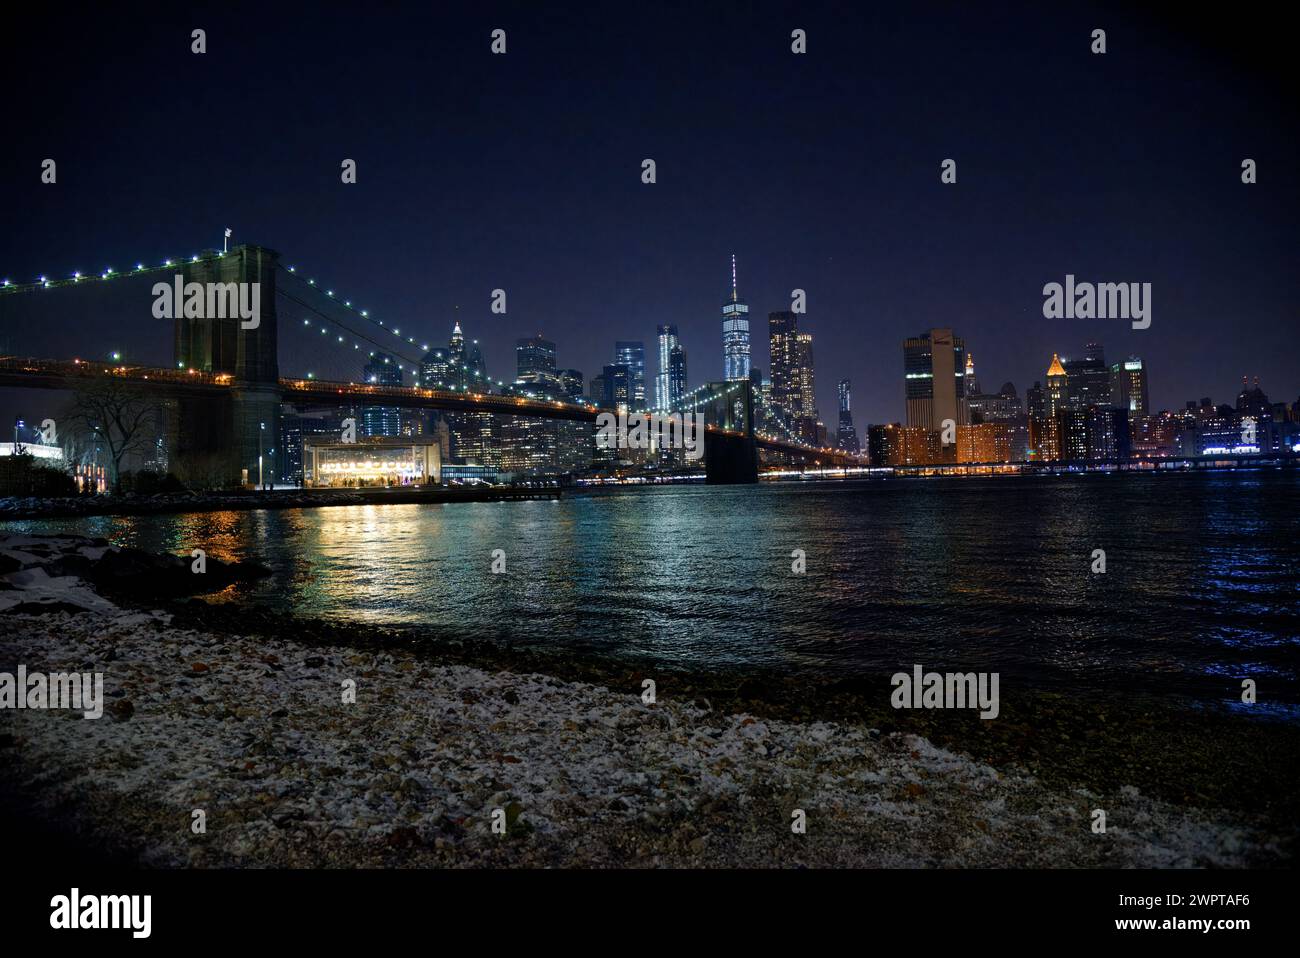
[818,171]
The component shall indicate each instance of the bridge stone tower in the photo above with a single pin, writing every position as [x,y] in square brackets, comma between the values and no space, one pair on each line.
[730,459]
[220,440]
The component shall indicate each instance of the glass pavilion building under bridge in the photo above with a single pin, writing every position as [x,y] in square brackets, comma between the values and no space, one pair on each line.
[372,461]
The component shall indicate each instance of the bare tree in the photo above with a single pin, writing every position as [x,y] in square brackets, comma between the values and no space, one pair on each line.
[202,471]
[118,417]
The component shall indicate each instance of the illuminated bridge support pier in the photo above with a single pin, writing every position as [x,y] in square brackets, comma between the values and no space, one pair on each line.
[227,447]
[730,455]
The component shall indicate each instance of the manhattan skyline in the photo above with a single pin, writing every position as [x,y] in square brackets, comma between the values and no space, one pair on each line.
[508,173]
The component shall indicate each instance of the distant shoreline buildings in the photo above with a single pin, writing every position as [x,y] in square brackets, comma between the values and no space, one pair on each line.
[1088,411]
[1082,409]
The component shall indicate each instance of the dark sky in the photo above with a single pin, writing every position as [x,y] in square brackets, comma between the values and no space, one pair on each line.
[819,171]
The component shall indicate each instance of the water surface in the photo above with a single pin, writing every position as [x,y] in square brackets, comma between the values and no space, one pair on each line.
[1201,589]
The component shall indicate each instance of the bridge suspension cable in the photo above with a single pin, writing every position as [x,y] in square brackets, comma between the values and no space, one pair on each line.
[45,281]
[76,278]
[364,314]
[325,317]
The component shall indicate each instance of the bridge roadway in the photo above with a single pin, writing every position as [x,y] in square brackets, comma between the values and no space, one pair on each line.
[172,383]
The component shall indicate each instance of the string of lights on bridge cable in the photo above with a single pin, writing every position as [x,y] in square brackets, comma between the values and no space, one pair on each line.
[365,315]
[109,273]
[77,278]
[340,341]
[362,314]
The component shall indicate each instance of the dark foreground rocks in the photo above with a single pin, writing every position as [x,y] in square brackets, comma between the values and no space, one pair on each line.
[78,573]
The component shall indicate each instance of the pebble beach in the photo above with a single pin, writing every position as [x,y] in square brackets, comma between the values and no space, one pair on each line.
[298,755]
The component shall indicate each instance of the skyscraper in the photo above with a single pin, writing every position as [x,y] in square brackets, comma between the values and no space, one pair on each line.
[1056,429]
[632,355]
[1128,387]
[571,383]
[972,384]
[793,381]
[617,383]
[667,341]
[934,367]
[1088,380]
[471,435]
[1036,401]
[735,333]
[435,368]
[475,367]
[382,370]
[676,374]
[457,346]
[847,436]
[1058,387]
[534,355]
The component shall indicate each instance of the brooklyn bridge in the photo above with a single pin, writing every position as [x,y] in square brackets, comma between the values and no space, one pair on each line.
[226,391]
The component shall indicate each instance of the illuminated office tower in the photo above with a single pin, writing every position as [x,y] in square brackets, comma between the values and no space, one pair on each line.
[667,342]
[934,369]
[534,355]
[632,355]
[676,374]
[616,386]
[847,436]
[1128,387]
[475,368]
[735,333]
[571,383]
[972,384]
[1058,387]
[1088,380]
[382,370]
[456,349]
[435,368]
[793,382]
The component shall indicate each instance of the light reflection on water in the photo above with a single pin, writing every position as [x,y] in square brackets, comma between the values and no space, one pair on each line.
[1202,584]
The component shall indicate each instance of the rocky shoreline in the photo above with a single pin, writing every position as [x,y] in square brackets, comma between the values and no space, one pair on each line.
[243,717]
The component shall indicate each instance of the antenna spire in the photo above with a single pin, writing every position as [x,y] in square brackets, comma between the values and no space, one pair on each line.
[734,297]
